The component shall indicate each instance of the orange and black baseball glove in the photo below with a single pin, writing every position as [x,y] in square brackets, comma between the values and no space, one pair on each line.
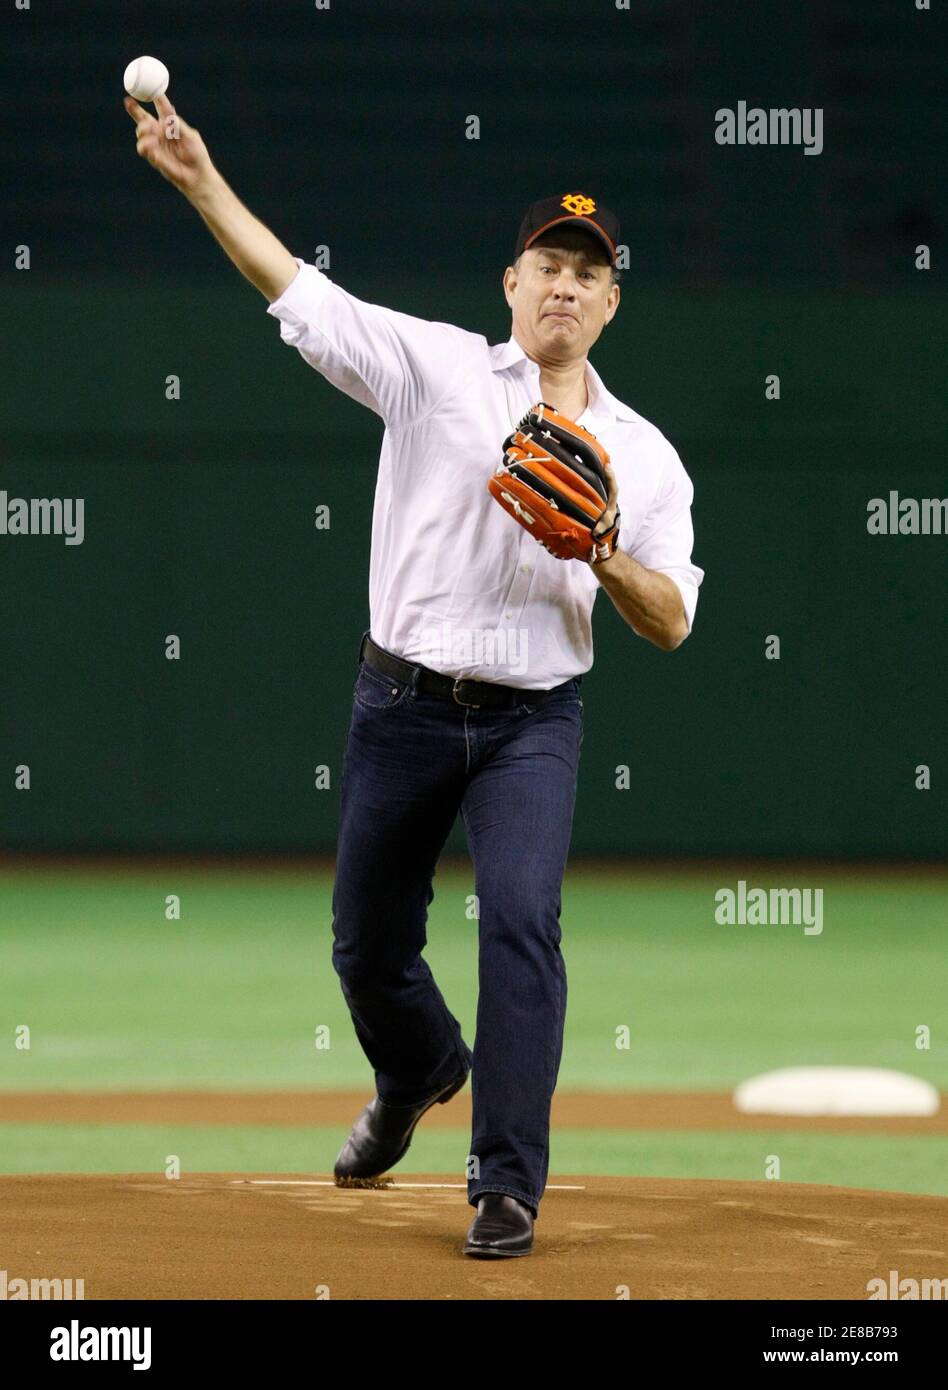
[553,481]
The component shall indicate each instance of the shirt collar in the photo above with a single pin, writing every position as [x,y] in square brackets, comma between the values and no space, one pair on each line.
[601,401]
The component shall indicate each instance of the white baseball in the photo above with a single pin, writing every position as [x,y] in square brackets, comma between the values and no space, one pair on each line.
[146,78]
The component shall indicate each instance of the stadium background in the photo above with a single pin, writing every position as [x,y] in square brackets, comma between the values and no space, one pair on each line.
[345,129]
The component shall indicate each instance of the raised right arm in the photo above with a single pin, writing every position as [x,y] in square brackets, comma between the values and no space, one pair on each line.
[177,151]
[399,366]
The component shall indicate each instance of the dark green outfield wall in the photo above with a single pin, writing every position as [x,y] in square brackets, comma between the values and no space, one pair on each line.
[347,127]
[199,523]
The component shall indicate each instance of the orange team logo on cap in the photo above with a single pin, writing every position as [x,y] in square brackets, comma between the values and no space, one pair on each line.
[579,204]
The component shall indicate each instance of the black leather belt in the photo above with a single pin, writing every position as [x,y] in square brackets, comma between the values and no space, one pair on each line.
[469,693]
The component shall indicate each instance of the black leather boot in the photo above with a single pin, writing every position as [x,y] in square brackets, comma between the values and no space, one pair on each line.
[502,1226]
[382,1134]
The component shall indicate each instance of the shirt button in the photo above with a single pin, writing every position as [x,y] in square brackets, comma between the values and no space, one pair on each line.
[525,569]
[508,614]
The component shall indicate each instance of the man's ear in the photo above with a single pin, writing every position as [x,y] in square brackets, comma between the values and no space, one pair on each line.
[612,302]
[510,283]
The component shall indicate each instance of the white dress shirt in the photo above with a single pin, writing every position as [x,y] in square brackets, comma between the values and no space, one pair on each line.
[454,582]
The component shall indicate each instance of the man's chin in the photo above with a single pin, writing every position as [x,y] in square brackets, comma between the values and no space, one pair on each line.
[560,336]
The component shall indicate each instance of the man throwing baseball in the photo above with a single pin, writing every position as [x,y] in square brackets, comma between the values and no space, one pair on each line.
[512,486]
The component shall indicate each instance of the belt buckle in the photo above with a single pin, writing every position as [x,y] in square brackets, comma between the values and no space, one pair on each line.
[468,704]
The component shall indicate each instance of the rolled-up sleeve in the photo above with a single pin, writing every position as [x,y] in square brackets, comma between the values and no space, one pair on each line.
[665,540]
[397,365]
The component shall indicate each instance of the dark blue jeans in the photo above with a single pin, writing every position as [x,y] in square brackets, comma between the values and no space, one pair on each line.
[413,761]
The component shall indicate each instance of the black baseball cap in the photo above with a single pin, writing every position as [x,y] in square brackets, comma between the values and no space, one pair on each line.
[575,209]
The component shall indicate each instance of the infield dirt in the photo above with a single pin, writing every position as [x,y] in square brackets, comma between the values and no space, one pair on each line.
[220,1235]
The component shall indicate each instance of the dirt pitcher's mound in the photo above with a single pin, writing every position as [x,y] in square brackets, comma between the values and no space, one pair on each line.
[228,1236]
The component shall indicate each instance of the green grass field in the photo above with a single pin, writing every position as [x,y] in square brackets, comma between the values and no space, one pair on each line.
[116,996]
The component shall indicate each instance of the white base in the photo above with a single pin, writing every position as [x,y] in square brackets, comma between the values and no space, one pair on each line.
[836,1091]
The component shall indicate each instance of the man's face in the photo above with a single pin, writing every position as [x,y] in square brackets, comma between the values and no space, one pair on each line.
[561,295]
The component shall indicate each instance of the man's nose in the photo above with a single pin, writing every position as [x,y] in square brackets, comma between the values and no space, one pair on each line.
[564,288]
